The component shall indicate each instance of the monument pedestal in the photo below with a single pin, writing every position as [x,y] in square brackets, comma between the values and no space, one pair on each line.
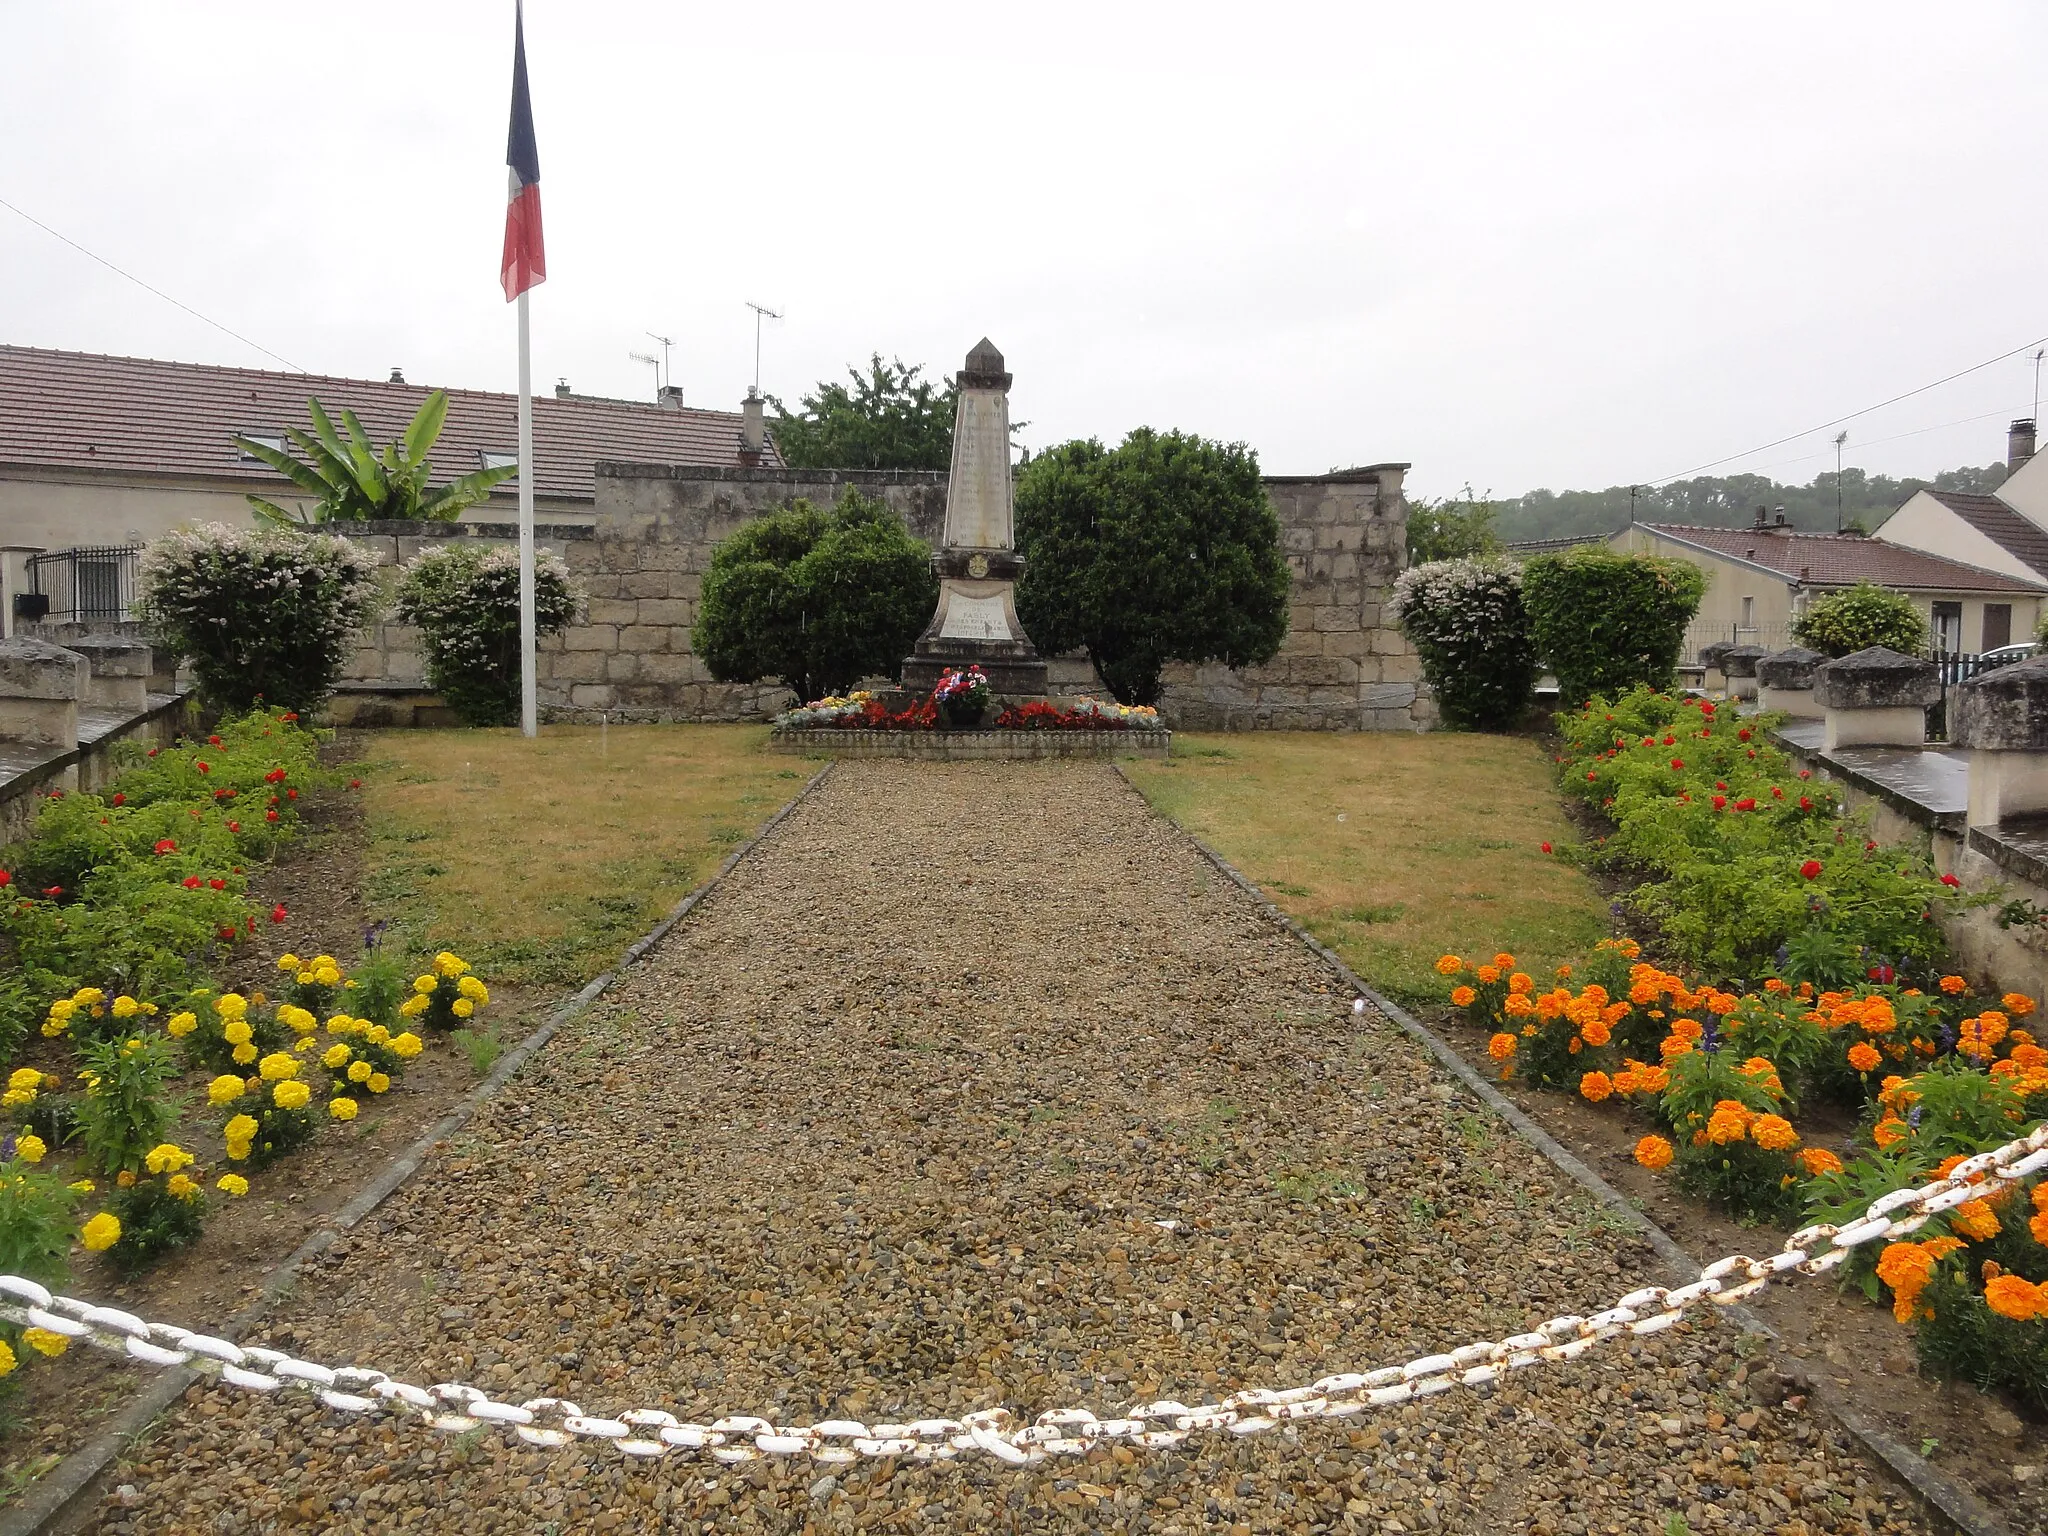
[975,623]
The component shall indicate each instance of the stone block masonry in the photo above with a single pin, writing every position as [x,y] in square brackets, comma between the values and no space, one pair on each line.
[1343,665]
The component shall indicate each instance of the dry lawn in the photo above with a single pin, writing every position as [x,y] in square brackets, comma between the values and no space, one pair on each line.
[1390,848]
[540,861]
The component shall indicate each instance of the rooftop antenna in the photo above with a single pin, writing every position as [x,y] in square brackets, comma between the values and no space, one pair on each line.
[667,373]
[655,364]
[2039,353]
[1841,441]
[761,312]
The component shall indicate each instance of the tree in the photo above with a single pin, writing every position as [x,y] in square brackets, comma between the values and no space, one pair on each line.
[1606,621]
[465,601]
[1467,622]
[352,482]
[1451,529]
[889,419]
[1162,549]
[1859,617]
[814,599]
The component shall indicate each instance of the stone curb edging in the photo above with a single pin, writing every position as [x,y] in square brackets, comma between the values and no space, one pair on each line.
[62,1491]
[1951,1504]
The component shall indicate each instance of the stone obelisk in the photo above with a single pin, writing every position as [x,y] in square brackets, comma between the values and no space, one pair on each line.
[975,623]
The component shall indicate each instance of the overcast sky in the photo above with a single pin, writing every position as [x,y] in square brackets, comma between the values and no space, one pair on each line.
[1568,245]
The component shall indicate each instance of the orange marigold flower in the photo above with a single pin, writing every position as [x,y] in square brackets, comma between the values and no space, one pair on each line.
[1953,985]
[1687,1029]
[1863,1056]
[1888,1130]
[1504,961]
[2027,1056]
[1463,996]
[1906,1268]
[1563,973]
[1521,981]
[1487,974]
[1674,1046]
[1597,1033]
[2038,1225]
[1516,1006]
[2018,1004]
[1595,1086]
[1775,985]
[1774,1133]
[1501,1047]
[1819,1160]
[1654,1152]
[1975,1220]
[2021,1300]
[1949,1165]
[1449,965]
[1723,1127]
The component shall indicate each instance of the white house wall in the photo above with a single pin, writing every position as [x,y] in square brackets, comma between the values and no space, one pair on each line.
[1923,523]
[2026,490]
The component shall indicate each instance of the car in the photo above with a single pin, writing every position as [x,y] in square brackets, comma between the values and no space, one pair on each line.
[2006,655]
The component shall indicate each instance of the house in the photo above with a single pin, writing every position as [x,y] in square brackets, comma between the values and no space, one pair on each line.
[2006,531]
[1760,578]
[99,454]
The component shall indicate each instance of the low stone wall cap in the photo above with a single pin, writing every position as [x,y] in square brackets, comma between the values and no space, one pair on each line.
[113,655]
[1711,653]
[1876,678]
[2003,710]
[1790,669]
[1741,660]
[36,669]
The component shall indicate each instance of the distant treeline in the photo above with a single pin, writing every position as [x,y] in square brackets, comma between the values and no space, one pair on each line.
[1721,501]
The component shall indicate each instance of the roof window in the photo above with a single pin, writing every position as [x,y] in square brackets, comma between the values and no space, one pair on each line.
[269,437]
[489,459]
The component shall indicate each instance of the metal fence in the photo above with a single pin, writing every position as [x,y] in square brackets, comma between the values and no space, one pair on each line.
[1771,637]
[86,584]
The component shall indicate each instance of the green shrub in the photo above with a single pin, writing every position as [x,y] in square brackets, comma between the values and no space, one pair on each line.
[1466,621]
[815,600]
[124,1112]
[35,1223]
[265,614]
[1607,621]
[158,1213]
[1865,615]
[465,601]
[1164,548]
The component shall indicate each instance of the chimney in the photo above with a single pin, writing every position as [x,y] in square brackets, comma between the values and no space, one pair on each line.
[562,389]
[753,428]
[397,375]
[1781,517]
[1763,516]
[670,397]
[2019,443]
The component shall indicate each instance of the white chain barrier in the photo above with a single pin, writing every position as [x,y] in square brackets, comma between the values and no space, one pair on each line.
[651,1432]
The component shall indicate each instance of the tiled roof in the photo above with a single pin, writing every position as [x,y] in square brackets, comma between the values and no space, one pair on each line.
[82,410]
[1990,516]
[1841,560]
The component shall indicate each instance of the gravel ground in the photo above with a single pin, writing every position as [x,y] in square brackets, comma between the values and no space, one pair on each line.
[888,1129]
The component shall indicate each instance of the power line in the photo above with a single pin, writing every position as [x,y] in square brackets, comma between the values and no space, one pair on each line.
[138,282]
[1839,420]
[1873,442]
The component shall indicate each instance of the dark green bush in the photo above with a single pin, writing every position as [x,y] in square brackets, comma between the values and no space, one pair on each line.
[1607,621]
[1466,621]
[817,600]
[1863,616]
[465,601]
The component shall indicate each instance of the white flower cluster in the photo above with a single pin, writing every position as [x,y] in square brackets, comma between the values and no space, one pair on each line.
[1445,592]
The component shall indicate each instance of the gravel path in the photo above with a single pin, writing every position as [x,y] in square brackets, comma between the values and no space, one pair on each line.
[886,1130]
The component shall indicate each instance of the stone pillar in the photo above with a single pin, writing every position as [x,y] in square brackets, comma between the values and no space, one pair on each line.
[1785,682]
[1875,698]
[1710,661]
[40,686]
[121,670]
[2001,718]
[1738,665]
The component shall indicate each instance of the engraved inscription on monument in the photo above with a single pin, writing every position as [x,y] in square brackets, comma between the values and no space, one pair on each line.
[975,618]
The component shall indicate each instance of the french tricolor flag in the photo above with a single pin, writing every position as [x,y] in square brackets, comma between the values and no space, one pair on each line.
[525,262]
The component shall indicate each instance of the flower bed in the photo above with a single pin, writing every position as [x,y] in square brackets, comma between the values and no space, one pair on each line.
[1747,869]
[863,711]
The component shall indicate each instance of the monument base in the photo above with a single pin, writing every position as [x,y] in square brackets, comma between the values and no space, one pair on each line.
[1014,671]
[975,625]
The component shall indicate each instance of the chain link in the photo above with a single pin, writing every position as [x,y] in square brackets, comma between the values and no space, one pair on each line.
[454,1408]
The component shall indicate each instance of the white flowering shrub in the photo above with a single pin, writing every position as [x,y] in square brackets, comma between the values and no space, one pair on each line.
[1466,621]
[264,614]
[465,601]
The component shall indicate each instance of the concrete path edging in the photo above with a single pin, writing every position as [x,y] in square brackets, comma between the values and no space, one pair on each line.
[1950,1504]
[62,1494]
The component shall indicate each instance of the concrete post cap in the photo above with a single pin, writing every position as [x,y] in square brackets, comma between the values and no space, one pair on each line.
[1741,660]
[1789,670]
[36,669]
[1876,678]
[2003,710]
[114,655]
[1712,652]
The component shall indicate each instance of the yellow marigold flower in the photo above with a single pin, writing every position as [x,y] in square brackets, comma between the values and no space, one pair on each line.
[1819,1160]
[379,1083]
[237,1150]
[81,1186]
[341,1024]
[376,1034]
[424,984]
[54,1026]
[244,1054]
[1449,965]
[231,1005]
[224,1089]
[342,1109]
[359,1071]
[87,997]
[101,1233]
[337,1057]
[1975,1220]
[179,1025]
[300,1021]
[125,1007]
[24,1077]
[1595,1086]
[278,1067]
[288,962]
[30,1148]
[125,1179]
[45,1341]
[232,1184]
[407,1045]
[462,1007]
[1461,997]
[327,976]
[1654,1152]
[473,988]
[413,1006]
[1774,1133]
[181,1187]
[292,1094]
[166,1157]
[7,1360]
[304,978]
[450,964]
[237,1031]
[241,1128]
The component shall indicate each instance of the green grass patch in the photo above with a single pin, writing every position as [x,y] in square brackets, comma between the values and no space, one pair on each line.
[1391,848]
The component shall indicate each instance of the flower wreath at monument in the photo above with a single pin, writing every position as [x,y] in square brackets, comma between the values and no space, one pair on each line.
[865,711]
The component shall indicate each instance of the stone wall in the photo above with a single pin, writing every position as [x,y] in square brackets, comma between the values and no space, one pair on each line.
[1342,666]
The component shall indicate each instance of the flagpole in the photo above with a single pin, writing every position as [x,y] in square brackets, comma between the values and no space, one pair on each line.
[529,712]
